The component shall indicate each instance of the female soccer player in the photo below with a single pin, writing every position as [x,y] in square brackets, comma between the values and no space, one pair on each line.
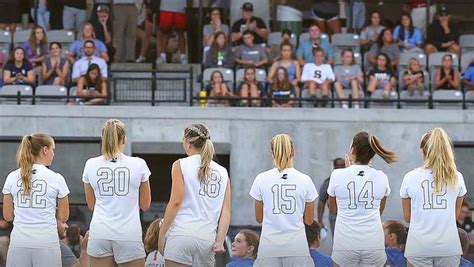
[358,194]
[198,213]
[116,187]
[432,196]
[30,195]
[284,202]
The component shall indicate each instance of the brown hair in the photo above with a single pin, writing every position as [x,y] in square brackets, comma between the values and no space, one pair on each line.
[73,234]
[313,232]
[151,236]
[286,43]
[365,147]
[318,49]
[199,136]
[214,46]
[283,151]
[113,134]
[254,72]
[464,238]
[43,45]
[397,228]
[284,85]
[252,239]
[28,151]
[348,50]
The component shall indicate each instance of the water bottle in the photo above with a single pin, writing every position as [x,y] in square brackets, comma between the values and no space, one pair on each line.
[220,59]
[202,100]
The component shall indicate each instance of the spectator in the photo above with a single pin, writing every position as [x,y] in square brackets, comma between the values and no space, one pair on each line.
[244,249]
[218,88]
[36,48]
[469,76]
[370,33]
[172,14]
[414,78]
[464,221]
[305,50]
[357,14]
[73,239]
[313,235]
[42,13]
[292,67]
[67,256]
[80,67]
[18,69]
[55,68]
[102,25]
[275,50]
[88,34]
[250,87]
[465,242]
[213,27]
[5,230]
[154,257]
[318,76]
[418,13]
[249,23]
[348,76]
[442,34]
[10,14]
[326,14]
[74,14]
[250,54]
[282,91]
[408,36]
[384,45]
[151,10]
[447,77]
[395,239]
[124,25]
[90,85]
[220,54]
[382,77]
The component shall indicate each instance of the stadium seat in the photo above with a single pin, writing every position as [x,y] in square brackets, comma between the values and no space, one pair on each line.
[305,36]
[261,75]
[12,90]
[378,95]
[340,41]
[447,95]
[469,96]
[404,95]
[406,56]
[338,59]
[466,41]
[228,74]
[401,82]
[20,37]
[50,94]
[466,59]
[274,38]
[64,37]
[5,37]
[435,59]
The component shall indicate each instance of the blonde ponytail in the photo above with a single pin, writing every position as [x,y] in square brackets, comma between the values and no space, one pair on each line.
[282,151]
[376,145]
[199,136]
[439,156]
[207,153]
[113,135]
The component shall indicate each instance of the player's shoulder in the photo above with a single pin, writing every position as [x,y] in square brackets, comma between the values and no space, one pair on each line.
[415,173]
[15,174]
[95,160]
[301,175]
[378,172]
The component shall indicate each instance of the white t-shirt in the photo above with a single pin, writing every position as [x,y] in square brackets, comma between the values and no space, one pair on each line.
[358,190]
[116,187]
[284,202]
[202,204]
[154,259]
[433,231]
[34,224]
[317,73]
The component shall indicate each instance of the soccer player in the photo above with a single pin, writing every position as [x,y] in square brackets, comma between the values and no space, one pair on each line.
[358,193]
[30,195]
[284,202]
[116,187]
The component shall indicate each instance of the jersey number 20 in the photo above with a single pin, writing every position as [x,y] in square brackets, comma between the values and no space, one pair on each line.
[113,182]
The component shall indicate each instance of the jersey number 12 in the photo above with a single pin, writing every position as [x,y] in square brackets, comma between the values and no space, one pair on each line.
[431,199]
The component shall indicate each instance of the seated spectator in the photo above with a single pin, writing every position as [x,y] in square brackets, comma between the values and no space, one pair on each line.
[465,242]
[102,25]
[414,78]
[250,87]
[409,38]
[348,76]
[5,230]
[154,257]
[305,49]
[244,249]
[464,221]
[447,77]
[442,34]
[92,84]
[395,240]
[214,27]
[67,256]
[274,50]
[370,33]
[384,45]
[382,77]
[73,239]
[250,54]
[218,88]
[318,76]
[55,68]
[313,236]
[469,76]
[282,91]
[220,54]
[76,51]
[36,48]
[172,16]
[80,67]
[18,69]
[292,67]
[248,23]
[326,14]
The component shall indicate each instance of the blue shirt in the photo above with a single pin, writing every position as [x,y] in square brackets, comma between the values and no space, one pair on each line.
[305,50]
[469,74]
[414,40]
[395,257]
[465,263]
[320,260]
[238,262]
[77,48]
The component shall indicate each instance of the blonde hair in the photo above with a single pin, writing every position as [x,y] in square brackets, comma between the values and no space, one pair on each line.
[28,151]
[283,151]
[113,134]
[199,136]
[411,61]
[439,157]
[367,145]
[151,236]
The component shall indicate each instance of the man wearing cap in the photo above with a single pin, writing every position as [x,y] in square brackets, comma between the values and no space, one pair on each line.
[103,25]
[251,23]
[442,35]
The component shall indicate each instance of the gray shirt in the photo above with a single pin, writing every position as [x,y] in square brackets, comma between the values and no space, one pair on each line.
[67,257]
[255,53]
[177,6]
[371,33]
[209,30]
[392,51]
[345,73]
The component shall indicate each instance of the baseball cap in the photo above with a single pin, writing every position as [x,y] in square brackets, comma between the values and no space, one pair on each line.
[101,8]
[247,6]
[443,10]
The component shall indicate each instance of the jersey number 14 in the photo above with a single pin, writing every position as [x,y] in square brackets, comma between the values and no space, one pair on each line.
[366,195]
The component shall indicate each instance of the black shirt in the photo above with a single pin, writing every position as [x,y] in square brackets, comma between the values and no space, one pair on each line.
[238,26]
[99,30]
[437,36]
[80,4]
[23,69]
[468,225]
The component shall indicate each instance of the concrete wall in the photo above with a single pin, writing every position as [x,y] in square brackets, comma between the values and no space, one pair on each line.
[320,135]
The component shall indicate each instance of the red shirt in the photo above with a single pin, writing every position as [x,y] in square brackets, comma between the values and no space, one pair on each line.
[418,3]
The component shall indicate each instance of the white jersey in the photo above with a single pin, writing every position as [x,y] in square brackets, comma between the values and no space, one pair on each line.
[358,190]
[155,259]
[284,195]
[116,187]
[433,231]
[317,73]
[34,224]
[202,204]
